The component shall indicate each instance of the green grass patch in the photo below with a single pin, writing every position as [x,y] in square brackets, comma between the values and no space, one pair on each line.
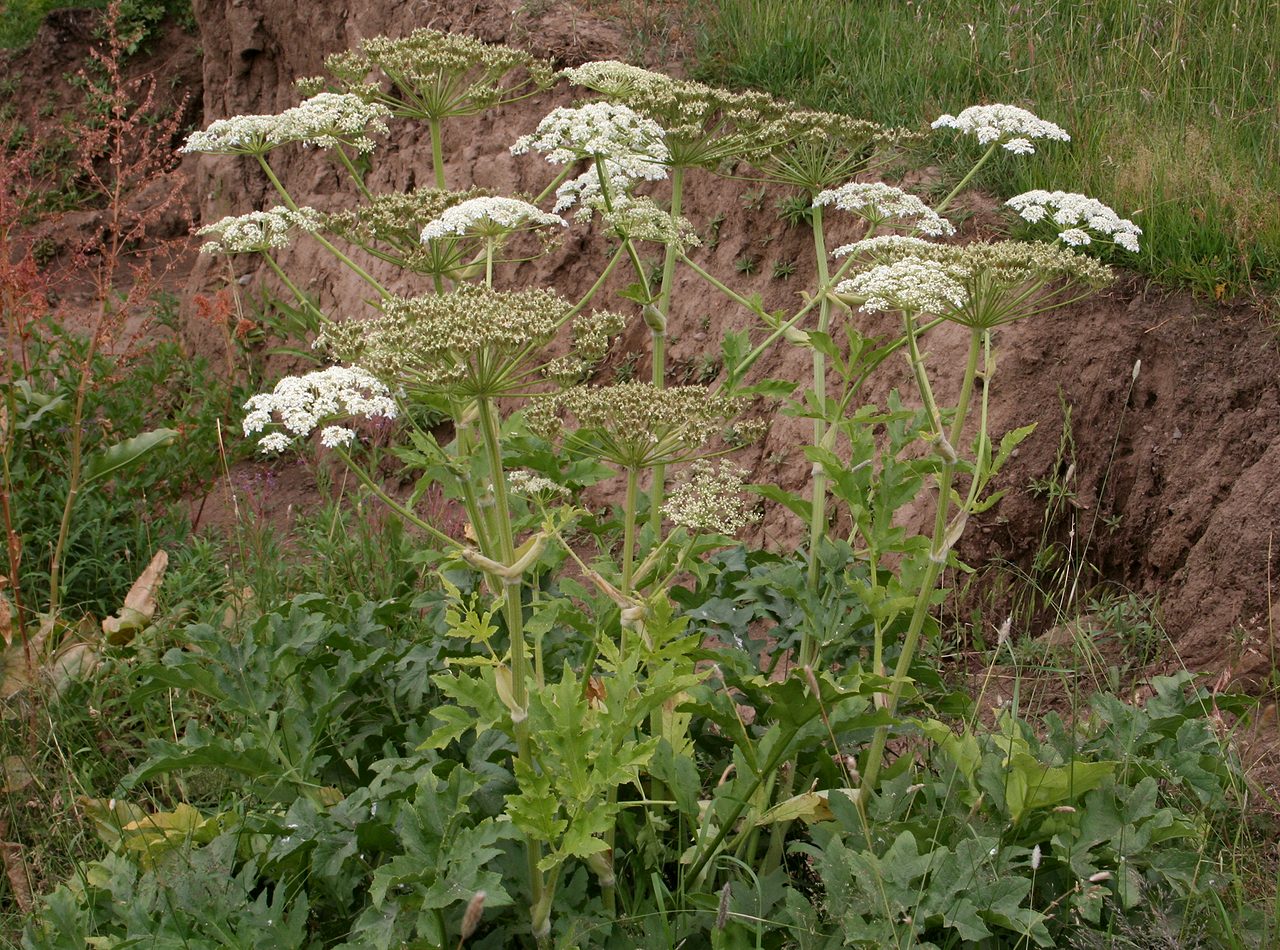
[1171,105]
[21,19]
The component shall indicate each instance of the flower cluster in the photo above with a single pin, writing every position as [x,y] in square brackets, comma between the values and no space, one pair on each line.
[397,218]
[704,125]
[592,335]
[1003,281]
[441,339]
[439,74]
[641,219]
[879,203]
[600,130]
[909,285]
[815,150]
[1010,126]
[1075,213]
[258,230]
[587,191]
[301,403]
[637,425]
[488,217]
[524,482]
[887,247]
[709,500]
[326,120]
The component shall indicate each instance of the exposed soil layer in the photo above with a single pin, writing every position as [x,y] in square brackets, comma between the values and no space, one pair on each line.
[1175,477]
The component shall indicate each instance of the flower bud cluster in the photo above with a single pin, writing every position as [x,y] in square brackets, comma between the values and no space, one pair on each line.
[524,482]
[442,74]
[879,203]
[816,150]
[1000,282]
[439,339]
[489,217]
[703,124]
[593,333]
[301,403]
[709,500]
[1076,213]
[397,218]
[641,219]
[259,230]
[636,424]
[326,120]
[1012,127]
[1002,262]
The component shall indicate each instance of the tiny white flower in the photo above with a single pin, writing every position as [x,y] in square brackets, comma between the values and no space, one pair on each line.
[1010,125]
[880,203]
[912,285]
[1020,146]
[332,437]
[1035,858]
[600,130]
[488,215]
[1077,214]
[325,120]
[259,230]
[301,403]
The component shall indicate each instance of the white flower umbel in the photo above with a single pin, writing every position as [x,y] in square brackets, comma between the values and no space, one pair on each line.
[325,120]
[887,247]
[879,203]
[259,230]
[301,403]
[587,191]
[488,217]
[710,500]
[1010,126]
[1077,215]
[910,285]
[600,130]
[525,482]
[332,437]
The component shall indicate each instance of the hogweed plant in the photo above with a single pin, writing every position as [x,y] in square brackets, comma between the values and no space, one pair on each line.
[588,741]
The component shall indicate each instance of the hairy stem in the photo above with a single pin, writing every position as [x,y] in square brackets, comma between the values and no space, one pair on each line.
[818,510]
[937,549]
[659,336]
[514,611]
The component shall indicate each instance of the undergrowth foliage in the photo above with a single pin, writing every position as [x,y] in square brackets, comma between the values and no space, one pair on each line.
[577,728]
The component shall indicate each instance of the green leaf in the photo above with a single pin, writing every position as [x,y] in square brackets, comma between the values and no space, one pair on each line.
[113,457]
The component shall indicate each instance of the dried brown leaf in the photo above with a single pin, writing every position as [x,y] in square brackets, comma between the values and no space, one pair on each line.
[139,604]
[15,869]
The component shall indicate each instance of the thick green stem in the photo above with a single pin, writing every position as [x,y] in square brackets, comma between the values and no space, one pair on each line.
[608,893]
[437,151]
[355,176]
[818,505]
[659,335]
[488,263]
[938,548]
[514,611]
[75,476]
[730,820]
[295,290]
[967,178]
[394,505]
[629,529]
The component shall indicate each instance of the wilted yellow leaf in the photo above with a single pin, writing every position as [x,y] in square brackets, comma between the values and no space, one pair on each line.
[139,604]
